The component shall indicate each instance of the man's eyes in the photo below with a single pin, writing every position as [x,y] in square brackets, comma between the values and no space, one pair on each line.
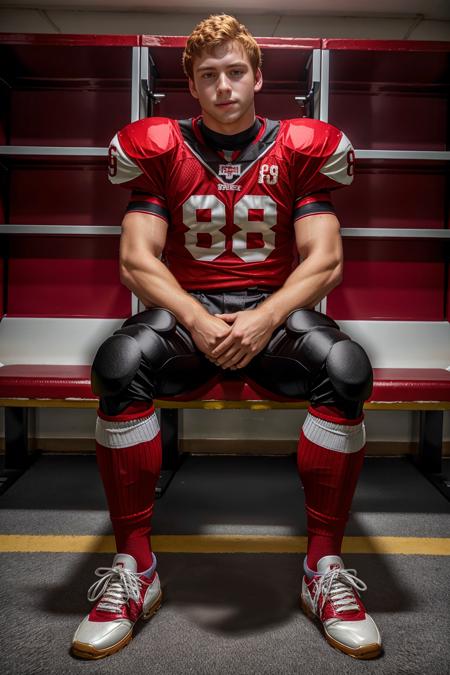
[236,72]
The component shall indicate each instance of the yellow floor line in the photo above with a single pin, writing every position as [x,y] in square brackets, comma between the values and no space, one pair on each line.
[214,543]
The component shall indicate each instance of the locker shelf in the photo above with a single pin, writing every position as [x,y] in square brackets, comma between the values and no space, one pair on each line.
[389,98]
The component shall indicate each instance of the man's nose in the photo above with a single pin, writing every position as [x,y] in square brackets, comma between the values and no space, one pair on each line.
[223,83]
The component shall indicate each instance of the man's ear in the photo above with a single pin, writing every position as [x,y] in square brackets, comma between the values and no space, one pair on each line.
[258,80]
[192,88]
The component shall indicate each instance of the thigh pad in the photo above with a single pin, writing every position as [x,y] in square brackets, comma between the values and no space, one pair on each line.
[161,320]
[303,320]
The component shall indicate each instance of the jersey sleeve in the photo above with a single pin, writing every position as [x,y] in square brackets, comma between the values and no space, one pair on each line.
[324,161]
[143,202]
[138,156]
[313,204]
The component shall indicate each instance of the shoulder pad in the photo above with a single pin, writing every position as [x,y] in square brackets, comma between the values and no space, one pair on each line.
[149,137]
[311,137]
[131,148]
[316,141]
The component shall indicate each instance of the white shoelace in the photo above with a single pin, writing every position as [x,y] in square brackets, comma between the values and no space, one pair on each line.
[117,585]
[340,586]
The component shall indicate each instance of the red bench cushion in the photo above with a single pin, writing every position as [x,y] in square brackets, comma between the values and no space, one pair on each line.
[60,382]
[45,381]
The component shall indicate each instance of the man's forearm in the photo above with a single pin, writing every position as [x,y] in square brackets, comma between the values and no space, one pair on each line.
[155,285]
[311,281]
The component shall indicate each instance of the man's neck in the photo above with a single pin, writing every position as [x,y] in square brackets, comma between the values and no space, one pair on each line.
[236,141]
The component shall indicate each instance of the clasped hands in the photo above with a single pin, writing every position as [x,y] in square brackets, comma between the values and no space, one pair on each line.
[232,340]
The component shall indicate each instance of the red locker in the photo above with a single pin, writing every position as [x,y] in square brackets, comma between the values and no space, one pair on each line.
[392,97]
[390,280]
[64,98]
[74,92]
[65,276]
[61,191]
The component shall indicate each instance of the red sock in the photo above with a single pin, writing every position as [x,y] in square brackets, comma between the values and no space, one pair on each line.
[330,457]
[129,458]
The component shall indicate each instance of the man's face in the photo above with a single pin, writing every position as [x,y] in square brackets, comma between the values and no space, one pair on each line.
[224,84]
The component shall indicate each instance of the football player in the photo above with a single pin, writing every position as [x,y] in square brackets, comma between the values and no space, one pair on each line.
[230,240]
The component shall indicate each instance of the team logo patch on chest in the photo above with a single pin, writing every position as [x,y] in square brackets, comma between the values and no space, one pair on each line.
[229,171]
[268,174]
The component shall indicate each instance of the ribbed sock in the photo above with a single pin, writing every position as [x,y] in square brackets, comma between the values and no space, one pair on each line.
[330,457]
[129,459]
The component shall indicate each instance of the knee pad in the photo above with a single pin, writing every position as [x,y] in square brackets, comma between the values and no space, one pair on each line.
[324,344]
[317,334]
[115,364]
[349,370]
[119,358]
[317,344]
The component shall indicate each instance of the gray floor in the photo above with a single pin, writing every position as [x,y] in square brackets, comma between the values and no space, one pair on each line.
[230,613]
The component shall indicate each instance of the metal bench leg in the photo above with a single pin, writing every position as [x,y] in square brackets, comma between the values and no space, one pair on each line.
[17,457]
[171,459]
[16,438]
[430,444]
[429,457]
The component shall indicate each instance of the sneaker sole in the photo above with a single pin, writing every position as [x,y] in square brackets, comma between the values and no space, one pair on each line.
[85,651]
[364,653]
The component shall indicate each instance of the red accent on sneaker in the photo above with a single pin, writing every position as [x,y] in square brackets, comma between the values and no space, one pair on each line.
[332,598]
[329,610]
[131,610]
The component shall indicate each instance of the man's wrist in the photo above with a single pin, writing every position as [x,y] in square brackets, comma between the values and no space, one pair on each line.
[272,314]
[190,312]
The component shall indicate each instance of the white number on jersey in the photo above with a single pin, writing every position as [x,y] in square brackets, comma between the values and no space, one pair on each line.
[268,209]
[214,219]
[210,226]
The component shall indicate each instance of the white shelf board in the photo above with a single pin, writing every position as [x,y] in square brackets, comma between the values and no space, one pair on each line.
[60,229]
[52,150]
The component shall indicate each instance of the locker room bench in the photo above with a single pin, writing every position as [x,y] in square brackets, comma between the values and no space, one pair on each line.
[426,390]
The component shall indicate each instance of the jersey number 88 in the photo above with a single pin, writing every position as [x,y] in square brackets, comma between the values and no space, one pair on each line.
[263,204]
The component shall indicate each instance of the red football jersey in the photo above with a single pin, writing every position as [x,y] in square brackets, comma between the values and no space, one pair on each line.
[230,215]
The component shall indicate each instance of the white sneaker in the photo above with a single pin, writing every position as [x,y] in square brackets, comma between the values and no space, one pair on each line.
[332,597]
[123,596]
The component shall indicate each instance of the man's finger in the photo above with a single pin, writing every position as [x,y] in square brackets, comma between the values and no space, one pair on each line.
[231,363]
[227,317]
[223,346]
[242,363]
[229,356]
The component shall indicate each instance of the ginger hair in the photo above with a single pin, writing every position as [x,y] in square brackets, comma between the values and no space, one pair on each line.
[214,31]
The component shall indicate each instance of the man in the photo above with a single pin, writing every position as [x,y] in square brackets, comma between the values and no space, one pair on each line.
[218,205]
